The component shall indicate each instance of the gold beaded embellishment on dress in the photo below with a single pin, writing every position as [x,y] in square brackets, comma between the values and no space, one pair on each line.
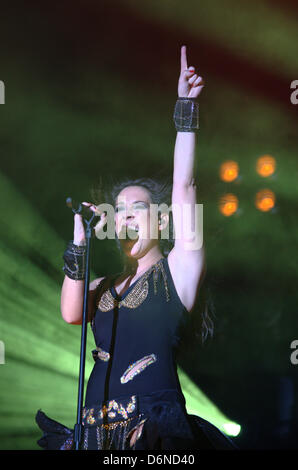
[115,435]
[111,421]
[100,354]
[138,293]
[92,416]
[137,367]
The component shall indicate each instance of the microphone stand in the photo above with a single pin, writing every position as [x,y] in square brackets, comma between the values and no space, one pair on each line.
[78,425]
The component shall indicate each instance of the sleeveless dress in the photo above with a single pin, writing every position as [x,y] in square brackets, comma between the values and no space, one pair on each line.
[134,385]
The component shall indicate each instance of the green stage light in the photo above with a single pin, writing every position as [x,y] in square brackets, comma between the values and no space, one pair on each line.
[198,403]
[232,429]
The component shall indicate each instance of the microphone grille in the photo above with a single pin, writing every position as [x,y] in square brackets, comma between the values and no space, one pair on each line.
[69,202]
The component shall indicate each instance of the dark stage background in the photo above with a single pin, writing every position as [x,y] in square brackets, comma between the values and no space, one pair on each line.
[90,88]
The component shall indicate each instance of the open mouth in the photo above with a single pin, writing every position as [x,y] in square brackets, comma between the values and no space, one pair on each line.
[132,232]
[134,228]
[129,231]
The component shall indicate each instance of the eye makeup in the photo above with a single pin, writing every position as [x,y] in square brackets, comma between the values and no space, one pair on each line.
[136,205]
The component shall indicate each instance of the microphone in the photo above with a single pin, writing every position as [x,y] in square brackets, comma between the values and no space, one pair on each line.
[79,208]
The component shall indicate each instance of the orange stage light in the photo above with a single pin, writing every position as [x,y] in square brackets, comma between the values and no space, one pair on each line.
[229,171]
[228,204]
[266,166]
[265,200]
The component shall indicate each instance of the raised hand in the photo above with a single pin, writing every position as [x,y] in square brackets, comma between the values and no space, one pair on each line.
[190,84]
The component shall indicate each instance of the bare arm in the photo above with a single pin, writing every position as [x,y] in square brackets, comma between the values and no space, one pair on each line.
[72,298]
[187,264]
[184,157]
[72,294]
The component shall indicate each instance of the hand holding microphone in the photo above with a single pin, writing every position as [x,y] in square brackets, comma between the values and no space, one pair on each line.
[84,209]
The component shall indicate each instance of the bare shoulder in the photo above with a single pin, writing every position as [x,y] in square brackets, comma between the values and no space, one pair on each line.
[94,284]
[187,272]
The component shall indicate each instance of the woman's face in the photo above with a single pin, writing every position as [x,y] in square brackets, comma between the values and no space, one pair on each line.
[132,209]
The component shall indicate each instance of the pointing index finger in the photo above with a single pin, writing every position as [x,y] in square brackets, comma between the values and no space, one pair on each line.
[183,59]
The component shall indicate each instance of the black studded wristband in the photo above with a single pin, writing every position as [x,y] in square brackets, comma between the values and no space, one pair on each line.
[75,261]
[186,115]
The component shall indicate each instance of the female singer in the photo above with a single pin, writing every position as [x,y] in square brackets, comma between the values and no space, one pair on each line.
[133,397]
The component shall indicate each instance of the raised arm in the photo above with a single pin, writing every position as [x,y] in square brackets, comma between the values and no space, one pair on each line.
[186,259]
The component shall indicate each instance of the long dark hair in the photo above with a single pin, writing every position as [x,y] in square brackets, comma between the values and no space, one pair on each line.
[160,190]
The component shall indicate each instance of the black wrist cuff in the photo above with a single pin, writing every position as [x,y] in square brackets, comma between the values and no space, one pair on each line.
[75,261]
[186,115]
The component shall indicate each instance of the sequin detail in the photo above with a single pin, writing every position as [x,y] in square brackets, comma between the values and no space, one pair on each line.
[112,410]
[137,367]
[99,353]
[138,293]
[114,435]
[68,444]
[85,443]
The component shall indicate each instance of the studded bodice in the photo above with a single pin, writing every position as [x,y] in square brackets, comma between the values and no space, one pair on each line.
[137,336]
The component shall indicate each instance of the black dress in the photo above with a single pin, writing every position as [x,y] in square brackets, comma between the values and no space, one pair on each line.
[134,384]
